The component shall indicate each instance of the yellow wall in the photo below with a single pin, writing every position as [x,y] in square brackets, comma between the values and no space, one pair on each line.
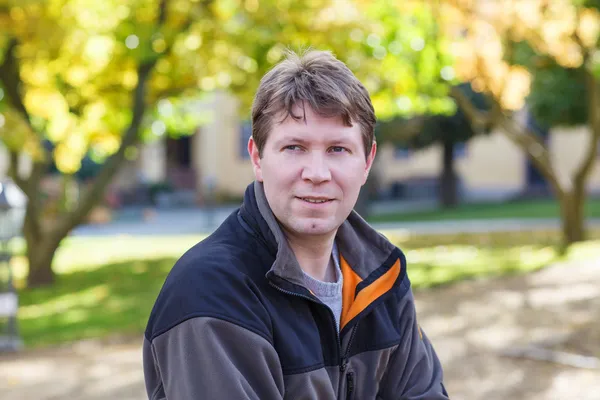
[567,147]
[492,162]
[218,149]
[419,164]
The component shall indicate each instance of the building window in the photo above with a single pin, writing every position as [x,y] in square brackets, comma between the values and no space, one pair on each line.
[245,133]
[401,152]
[460,150]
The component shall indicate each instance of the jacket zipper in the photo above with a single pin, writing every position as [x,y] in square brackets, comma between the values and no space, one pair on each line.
[343,357]
[344,362]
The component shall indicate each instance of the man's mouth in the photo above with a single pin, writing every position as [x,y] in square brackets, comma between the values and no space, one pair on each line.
[315,200]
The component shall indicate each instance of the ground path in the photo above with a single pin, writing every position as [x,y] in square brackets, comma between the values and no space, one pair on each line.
[470,323]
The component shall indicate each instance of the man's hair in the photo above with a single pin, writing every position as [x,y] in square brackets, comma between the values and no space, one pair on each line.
[315,79]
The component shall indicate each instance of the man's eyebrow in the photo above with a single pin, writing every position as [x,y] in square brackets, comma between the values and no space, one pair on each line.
[342,140]
[337,140]
[294,139]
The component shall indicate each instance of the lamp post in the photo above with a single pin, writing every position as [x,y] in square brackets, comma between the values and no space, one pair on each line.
[12,212]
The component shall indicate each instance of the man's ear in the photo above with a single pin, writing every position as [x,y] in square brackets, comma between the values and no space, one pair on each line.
[370,159]
[255,158]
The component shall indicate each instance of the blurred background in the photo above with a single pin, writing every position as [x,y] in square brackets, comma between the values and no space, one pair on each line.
[124,127]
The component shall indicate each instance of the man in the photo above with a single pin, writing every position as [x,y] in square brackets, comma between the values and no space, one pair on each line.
[295,296]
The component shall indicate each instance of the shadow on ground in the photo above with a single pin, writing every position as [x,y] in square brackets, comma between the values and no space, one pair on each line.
[472,323]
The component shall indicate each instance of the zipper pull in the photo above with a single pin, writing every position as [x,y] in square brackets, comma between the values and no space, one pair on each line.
[350,384]
[343,365]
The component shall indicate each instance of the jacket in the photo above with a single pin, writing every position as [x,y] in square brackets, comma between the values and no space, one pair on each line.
[233,320]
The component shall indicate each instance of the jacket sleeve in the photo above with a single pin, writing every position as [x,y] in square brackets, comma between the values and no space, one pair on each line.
[414,371]
[210,358]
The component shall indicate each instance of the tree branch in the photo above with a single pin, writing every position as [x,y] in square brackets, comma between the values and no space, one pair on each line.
[172,91]
[593,105]
[400,130]
[162,12]
[111,166]
[479,119]
[532,145]
[130,138]
[591,152]
[585,51]
[11,79]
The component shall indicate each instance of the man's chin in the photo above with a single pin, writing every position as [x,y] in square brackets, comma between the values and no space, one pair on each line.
[314,226]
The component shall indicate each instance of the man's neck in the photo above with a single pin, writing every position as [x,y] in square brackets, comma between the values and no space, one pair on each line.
[314,255]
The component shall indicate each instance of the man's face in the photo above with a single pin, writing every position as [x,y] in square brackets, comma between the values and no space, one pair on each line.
[312,172]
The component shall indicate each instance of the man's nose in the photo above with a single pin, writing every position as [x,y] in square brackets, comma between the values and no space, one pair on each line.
[317,169]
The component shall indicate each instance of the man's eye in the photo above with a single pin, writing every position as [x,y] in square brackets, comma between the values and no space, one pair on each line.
[338,149]
[293,147]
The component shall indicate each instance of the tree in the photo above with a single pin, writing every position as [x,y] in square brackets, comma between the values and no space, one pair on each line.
[540,53]
[83,76]
[82,81]
[409,73]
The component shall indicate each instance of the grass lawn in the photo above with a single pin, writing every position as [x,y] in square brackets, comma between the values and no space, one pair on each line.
[107,287]
[522,209]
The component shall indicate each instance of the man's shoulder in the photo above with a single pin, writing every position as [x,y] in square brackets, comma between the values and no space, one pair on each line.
[224,253]
[214,279]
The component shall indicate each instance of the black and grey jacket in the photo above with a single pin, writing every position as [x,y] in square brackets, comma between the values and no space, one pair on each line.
[234,321]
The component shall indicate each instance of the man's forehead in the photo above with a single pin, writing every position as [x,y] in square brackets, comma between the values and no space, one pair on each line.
[327,128]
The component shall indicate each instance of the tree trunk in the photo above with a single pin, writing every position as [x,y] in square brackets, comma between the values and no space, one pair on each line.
[448,180]
[40,268]
[40,254]
[572,216]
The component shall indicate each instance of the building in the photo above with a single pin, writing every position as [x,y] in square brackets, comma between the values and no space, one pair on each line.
[215,159]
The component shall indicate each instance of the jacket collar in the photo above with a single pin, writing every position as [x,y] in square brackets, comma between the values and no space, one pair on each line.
[363,249]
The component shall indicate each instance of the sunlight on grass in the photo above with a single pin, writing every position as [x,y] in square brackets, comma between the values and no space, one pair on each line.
[84,252]
[108,286]
[80,253]
[443,264]
[584,250]
[115,298]
[60,304]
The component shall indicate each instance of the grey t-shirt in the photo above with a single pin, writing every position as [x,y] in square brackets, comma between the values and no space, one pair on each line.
[329,293]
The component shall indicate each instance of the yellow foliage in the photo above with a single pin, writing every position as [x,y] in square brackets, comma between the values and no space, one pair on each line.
[130,79]
[79,59]
[77,75]
[45,102]
[95,111]
[480,32]
[69,153]
[37,74]
[66,160]
[589,27]
[105,142]
[98,51]
[60,126]
[517,86]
